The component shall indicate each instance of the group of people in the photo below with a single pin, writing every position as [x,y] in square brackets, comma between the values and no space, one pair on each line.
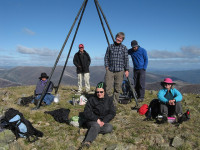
[101,108]
[116,63]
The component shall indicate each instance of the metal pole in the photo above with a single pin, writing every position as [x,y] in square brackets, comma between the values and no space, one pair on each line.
[46,87]
[71,47]
[102,22]
[105,20]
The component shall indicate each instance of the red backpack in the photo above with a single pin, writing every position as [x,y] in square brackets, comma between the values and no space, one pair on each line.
[143,109]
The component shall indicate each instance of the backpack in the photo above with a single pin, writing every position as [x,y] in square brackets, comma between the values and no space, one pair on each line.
[184,117]
[143,109]
[126,95]
[153,110]
[125,87]
[15,121]
[25,101]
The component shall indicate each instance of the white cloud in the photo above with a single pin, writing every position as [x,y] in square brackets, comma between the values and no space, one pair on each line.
[185,52]
[36,51]
[28,31]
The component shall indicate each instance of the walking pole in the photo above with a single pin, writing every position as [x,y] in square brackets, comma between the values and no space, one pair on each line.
[48,82]
[134,95]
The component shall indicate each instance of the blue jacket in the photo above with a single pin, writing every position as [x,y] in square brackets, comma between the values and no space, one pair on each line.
[176,94]
[139,58]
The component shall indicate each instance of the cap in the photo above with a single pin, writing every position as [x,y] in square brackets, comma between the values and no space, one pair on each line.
[81,45]
[134,43]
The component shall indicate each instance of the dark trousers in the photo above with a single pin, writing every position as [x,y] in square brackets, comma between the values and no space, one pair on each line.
[94,129]
[171,109]
[139,82]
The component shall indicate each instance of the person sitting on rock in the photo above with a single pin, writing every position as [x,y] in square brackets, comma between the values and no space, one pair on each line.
[170,100]
[48,98]
[99,111]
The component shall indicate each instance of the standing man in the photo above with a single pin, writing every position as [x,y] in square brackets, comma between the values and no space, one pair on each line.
[82,62]
[116,63]
[140,62]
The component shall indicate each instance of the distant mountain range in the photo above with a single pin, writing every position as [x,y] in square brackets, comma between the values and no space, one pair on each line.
[29,76]
[190,76]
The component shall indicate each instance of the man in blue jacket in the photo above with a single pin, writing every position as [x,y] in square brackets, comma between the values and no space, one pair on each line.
[140,62]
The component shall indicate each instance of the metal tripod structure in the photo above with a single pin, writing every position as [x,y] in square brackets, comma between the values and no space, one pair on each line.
[80,13]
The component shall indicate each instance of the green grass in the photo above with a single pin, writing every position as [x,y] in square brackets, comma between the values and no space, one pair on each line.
[129,127]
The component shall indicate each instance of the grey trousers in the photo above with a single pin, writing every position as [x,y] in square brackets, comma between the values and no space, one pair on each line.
[139,82]
[171,109]
[94,129]
[115,78]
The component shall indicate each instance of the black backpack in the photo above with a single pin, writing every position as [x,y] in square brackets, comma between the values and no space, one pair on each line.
[15,121]
[153,110]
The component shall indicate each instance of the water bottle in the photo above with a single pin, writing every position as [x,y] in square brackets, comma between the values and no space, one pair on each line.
[73,101]
[56,98]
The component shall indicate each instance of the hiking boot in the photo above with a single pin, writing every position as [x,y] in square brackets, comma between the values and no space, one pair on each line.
[43,104]
[164,119]
[140,100]
[85,144]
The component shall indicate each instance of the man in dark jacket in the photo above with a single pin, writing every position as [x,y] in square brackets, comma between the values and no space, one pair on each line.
[82,62]
[99,111]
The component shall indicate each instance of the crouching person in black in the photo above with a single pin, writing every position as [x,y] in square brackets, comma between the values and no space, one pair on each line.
[99,111]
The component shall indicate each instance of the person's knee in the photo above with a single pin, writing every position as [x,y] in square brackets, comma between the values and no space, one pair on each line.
[108,128]
[94,125]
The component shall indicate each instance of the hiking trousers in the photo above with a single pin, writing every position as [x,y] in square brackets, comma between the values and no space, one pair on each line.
[94,129]
[115,78]
[86,77]
[171,109]
[139,82]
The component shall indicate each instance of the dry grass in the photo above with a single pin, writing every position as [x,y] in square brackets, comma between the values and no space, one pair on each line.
[130,131]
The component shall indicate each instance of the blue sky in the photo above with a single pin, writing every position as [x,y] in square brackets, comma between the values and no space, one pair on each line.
[32,32]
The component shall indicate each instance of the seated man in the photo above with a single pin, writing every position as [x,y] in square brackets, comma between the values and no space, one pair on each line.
[48,98]
[170,100]
[99,111]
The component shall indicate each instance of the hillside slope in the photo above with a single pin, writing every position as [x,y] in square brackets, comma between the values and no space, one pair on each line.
[131,132]
[29,75]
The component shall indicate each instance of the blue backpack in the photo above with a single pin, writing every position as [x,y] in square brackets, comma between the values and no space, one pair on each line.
[15,121]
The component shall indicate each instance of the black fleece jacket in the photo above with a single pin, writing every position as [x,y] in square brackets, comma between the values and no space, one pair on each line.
[82,62]
[102,109]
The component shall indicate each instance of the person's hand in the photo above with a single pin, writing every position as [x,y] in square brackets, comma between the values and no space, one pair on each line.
[127,73]
[171,102]
[101,123]
[106,68]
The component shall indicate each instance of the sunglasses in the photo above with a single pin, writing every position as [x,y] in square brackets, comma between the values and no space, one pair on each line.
[168,84]
[99,91]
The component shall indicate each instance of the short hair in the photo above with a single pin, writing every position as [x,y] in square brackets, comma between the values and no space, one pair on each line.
[120,34]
